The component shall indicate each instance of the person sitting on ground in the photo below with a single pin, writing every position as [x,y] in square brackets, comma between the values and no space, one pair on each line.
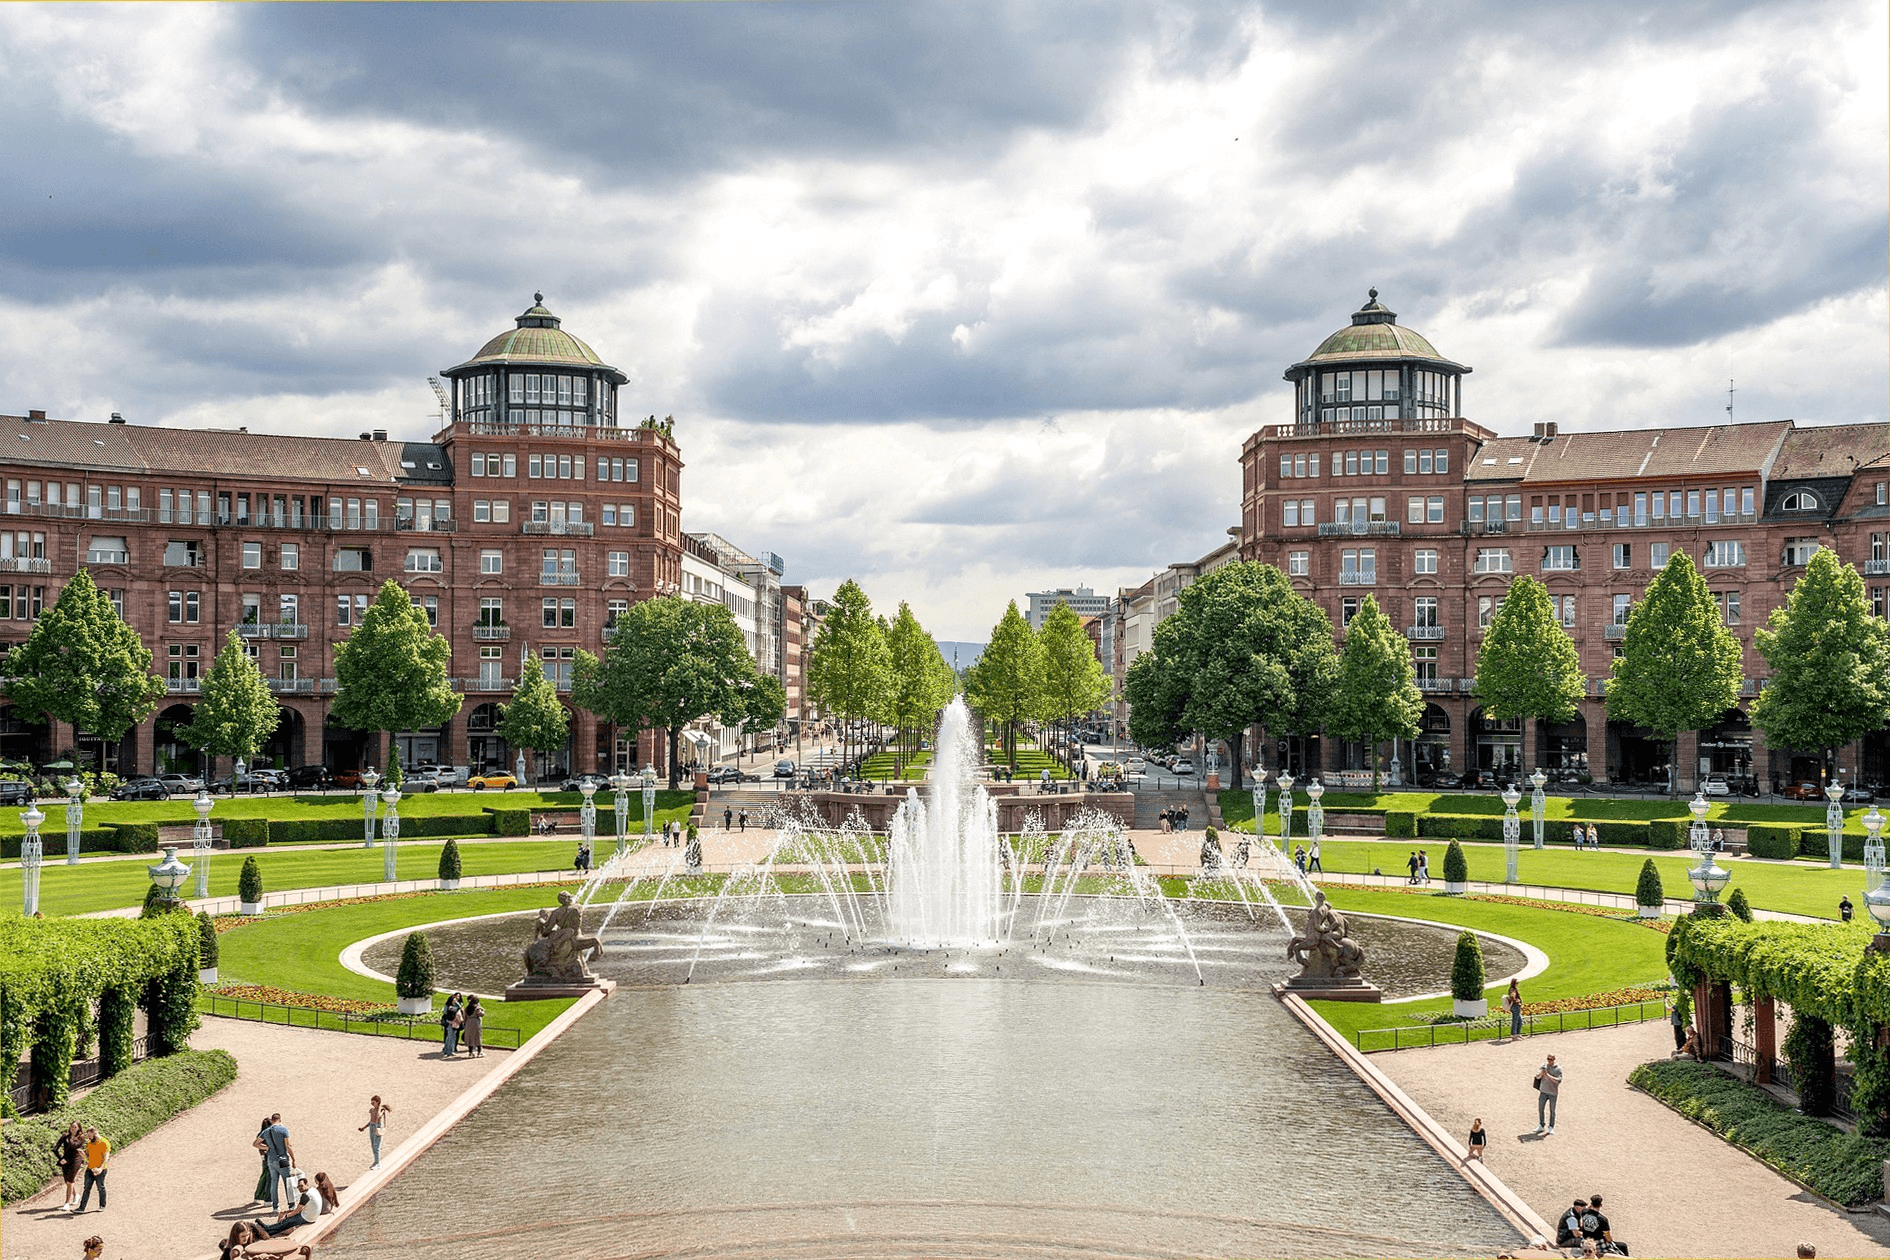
[1807,1252]
[240,1236]
[1568,1230]
[306,1210]
[1690,1046]
[1595,1229]
[94,1247]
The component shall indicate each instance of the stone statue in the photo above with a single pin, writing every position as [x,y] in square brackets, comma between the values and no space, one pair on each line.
[559,947]
[1325,954]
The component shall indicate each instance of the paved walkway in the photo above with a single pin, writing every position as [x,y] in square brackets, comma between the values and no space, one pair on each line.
[1670,1187]
[176,1191]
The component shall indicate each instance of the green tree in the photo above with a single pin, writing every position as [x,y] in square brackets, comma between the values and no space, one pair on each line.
[236,711]
[1006,684]
[1528,666]
[82,663]
[1648,890]
[249,882]
[391,671]
[1243,648]
[1467,975]
[1679,667]
[1376,697]
[669,662]
[1073,679]
[849,667]
[1829,659]
[415,977]
[534,719]
[920,683]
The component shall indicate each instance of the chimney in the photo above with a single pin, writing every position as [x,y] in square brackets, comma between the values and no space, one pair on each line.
[38,416]
[116,419]
[1545,430]
[367,437]
[380,435]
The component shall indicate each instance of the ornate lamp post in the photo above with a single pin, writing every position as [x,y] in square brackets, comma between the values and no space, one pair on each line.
[170,874]
[1259,809]
[75,818]
[1834,820]
[1512,833]
[369,778]
[390,831]
[587,814]
[1315,812]
[1873,850]
[1286,811]
[29,861]
[200,840]
[1708,878]
[1538,802]
[1696,830]
[620,787]
[236,775]
[649,799]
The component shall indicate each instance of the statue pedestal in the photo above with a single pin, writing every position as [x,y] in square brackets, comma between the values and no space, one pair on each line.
[535,990]
[1328,990]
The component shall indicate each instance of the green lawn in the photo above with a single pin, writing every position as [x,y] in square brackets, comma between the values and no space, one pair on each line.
[1801,887]
[107,885]
[1031,762]
[1587,953]
[1237,808]
[882,765]
[669,806]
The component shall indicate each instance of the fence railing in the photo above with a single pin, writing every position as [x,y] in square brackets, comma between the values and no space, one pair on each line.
[85,1074]
[1463,1032]
[406,1027]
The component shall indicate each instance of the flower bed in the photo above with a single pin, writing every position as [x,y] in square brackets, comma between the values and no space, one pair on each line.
[1663,926]
[306,1001]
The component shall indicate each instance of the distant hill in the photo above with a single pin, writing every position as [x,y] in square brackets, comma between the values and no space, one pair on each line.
[967,652]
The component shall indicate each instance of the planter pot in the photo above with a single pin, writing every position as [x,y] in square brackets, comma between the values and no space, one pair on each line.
[206,975]
[448,885]
[416,1006]
[1648,912]
[1470,1010]
[1456,887]
[249,907]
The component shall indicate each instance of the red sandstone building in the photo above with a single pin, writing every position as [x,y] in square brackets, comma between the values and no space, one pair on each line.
[1379,486]
[522,527]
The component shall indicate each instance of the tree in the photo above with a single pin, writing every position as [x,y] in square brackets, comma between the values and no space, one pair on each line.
[534,719]
[1006,683]
[1456,866]
[1466,970]
[1679,667]
[415,977]
[1243,648]
[236,711]
[249,882]
[919,683]
[849,666]
[1648,890]
[1528,666]
[83,664]
[391,671]
[1073,679]
[1829,659]
[1738,906]
[669,662]
[1376,697]
[449,860]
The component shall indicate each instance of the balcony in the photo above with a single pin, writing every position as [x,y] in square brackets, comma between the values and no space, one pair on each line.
[25,564]
[430,525]
[486,685]
[1358,529]
[1549,566]
[292,686]
[1397,424]
[1471,528]
[1433,685]
[491,633]
[108,557]
[563,529]
[1423,634]
[557,579]
[1614,630]
[183,686]
[593,432]
[1364,577]
[1876,568]
[272,630]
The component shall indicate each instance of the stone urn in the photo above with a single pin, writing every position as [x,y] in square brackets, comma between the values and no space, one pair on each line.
[416,1006]
[249,907]
[1469,1010]
[206,975]
[1456,886]
[1649,912]
[448,885]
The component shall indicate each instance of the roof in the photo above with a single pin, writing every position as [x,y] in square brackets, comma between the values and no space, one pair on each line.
[539,339]
[134,449]
[1627,454]
[1831,450]
[1374,333]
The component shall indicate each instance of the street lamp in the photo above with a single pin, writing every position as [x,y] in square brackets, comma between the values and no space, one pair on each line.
[29,860]
[1709,877]
[620,786]
[649,798]
[390,830]
[1696,831]
[1286,811]
[1834,820]
[1259,809]
[75,818]
[169,875]
[368,779]
[1538,803]
[1512,833]
[1315,812]
[200,840]
[1873,850]
[587,814]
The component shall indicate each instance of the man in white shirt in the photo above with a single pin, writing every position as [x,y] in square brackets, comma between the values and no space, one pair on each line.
[306,1210]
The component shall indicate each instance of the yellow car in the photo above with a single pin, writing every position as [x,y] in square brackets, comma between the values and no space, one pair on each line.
[497,779]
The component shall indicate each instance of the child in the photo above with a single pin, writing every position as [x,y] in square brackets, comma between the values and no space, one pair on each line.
[1478,1139]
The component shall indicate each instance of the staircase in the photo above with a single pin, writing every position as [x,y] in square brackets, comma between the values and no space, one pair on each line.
[1150,802]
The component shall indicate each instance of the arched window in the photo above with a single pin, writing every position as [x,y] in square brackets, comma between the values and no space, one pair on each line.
[1800,501]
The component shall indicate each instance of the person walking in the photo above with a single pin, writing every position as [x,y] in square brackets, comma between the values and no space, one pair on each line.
[1410,864]
[744,818]
[377,1112]
[1845,909]
[1548,1088]
[728,818]
[262,1181]
[279,1154]
[1423,867]
[69,1155]
[98,1158]
[1580,836]
[1512,1003]
[1312,863]
[474,1017]
[449,1027]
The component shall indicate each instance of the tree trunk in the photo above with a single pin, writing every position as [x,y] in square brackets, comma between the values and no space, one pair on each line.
[1236,749]
[675,767]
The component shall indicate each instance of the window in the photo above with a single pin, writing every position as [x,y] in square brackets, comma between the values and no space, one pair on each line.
[1728,606]
[1487,608]
[177,608]
[291,555]
[501,511]
[1434,509]
[1358,566]
[1298,563]
[1725,555]
[1443,461]
[509,464]
[541,511]
[1798,551]
[1559,559]
[1425,561]
[1307,514]
[1622,604]
[1658,553]
[289,609]
[183,553]
[1289,517]
[1286,465]
[105,550]
[1410,463]
[1640,508]
[430,605]
[1414,510]
[630,468]
[349,609]
[1492,560]
[1424,664]
[609,513]
[534,466]
[1568,611]
[1425,615]
[353,560]
[182,662]
[1712,507]
[117,595]
[491,560]
[619,564]
[252,555]
[478,465]
[1474,509]
[491,611]
[1348,609]
[482,509]
[1624,555]
[614,609]
[1877,601]
[252,610]
[1880,496]
[1378,510]
[1799,501]
[557,662]
[423,560]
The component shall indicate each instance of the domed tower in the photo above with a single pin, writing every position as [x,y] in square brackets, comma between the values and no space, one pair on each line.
[1372,372]
[536,374]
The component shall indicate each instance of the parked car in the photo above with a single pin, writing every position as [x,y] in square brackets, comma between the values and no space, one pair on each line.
[598,782]
[310,777]
[1806,791]
[276,779]
[181,784]
[420,781]
[500,779]
[1135,767]
[1182,766]
[15,791]
[1856,793]
[445,776]
[141,790]
[346,779]
[784,768]
[731,774]
[239,783]
[1715,786]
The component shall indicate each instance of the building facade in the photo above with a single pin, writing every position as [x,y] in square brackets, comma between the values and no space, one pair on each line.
[1083,601]
[1379,485]
[522,527]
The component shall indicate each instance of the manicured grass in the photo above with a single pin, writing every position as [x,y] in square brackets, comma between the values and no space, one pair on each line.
[1237,808]
[1587,954]
[108,885]
[883,765]
[301,951]
[669,806]
[1031,762]
[1800,887]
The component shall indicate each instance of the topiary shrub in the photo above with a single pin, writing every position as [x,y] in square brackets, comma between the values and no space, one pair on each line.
[1648,891]
[415,978]
[207,950]
[1456,866]
[1466,973]
[1739,906]
[449,861]
[249,884]
[1401,824]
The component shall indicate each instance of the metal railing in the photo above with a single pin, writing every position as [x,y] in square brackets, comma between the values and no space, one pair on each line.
[1424,633]
[433,525]
[505,428]
[1397,424]
[1614,630]
[486,684]
[183,686]
[272,629]
[1463,1032]
[292,686]
[85,1074]
[25,564]
[1359,529]
[557,579]
[406,1027]
[491,634]
[1876,568]
[576,529]
[1363,577]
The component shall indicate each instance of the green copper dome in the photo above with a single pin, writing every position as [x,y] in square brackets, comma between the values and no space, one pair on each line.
[1374,334]
[538,339]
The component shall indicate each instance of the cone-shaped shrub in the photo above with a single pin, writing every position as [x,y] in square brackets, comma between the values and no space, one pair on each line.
[449,860]
[415,978]
[1466,973]
[249,885]
[1456,867]
[1738,904]
[207,948]
[1648,892]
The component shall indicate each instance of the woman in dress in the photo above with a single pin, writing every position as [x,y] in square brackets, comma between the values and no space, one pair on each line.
[474,1019]
[69,1154]
[262,1180]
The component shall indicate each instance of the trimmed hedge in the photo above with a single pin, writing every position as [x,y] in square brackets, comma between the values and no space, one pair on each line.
[509,822]
[246,833]
[1490,827]
[123,1109]
[1456,868]
[1816,842]
[1401,824]
[1838,1165]
[1466,970]
[249,882]
[1778,841]
[415,978]
[1647,889]
[115,838]
[1667,833]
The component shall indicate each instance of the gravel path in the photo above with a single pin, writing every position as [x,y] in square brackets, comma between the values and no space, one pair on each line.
[1670,1187]
[176,1191]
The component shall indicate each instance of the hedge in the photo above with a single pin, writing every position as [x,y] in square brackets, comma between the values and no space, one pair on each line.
[1667,833]
[509,822]
[1490,827]
[1835,1164]
[1401,824]
[123,1109]
[1816,842]
[245,833]
[1778,841]
[112,838]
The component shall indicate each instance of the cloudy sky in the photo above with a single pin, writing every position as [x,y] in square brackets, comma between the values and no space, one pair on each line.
[962,299]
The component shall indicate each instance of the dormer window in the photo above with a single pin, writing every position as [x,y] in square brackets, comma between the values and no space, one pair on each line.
[1800,501]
